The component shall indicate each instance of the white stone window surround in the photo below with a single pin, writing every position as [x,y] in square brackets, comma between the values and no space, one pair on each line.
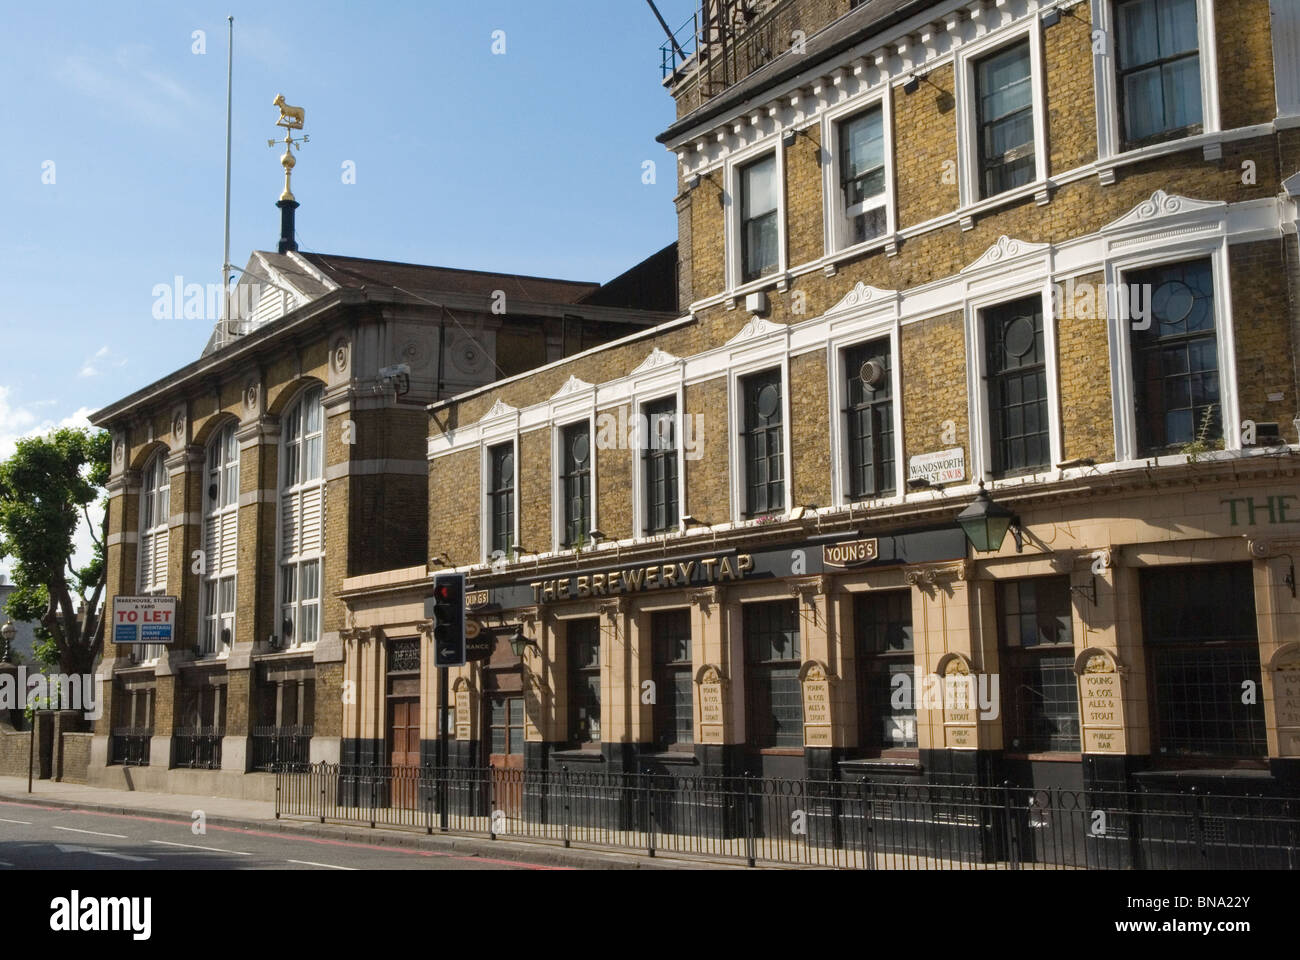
[154,540]
[1202,236]
[769,145]
[966,93]
[1024,282]
[865,315]
[660,377]
[574,402]
[283,489]
[760,346]
[218,517]
[1105,66]
[500,425]
[834,221]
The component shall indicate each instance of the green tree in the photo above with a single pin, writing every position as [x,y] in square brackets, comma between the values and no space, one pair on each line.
[46,489]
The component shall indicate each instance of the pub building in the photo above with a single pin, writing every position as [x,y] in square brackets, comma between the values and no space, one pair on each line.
[958,466]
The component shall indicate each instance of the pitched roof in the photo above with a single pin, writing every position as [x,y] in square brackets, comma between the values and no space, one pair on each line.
[355,272]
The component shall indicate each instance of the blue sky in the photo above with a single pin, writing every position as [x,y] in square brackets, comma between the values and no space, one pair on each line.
[528,162]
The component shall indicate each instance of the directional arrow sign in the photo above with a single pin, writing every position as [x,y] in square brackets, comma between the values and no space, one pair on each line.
[68,848]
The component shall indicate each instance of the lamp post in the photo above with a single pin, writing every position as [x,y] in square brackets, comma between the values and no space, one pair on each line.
[985,524]
[7,634]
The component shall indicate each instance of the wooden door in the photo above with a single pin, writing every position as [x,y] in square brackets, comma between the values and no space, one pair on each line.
[505,729]
[404,750]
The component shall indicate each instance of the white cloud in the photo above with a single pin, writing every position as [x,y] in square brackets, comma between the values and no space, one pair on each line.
[127,83]
[92,366]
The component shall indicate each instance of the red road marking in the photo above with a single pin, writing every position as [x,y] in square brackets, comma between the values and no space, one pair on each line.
[244,831]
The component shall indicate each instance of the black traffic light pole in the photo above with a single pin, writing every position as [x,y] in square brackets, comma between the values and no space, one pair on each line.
[442,749]
[447,609]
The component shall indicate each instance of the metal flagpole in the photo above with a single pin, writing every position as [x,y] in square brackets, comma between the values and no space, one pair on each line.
[225,263]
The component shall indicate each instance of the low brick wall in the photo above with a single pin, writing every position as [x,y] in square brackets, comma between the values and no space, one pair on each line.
[74,757]
[14,745]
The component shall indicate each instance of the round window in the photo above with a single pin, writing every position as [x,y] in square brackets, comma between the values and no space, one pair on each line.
[1018,336]
[580,448]
[769,399]
[1173,301]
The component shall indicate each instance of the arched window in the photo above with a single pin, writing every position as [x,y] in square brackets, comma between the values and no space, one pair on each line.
[220,542]
[155,511]
[302,520]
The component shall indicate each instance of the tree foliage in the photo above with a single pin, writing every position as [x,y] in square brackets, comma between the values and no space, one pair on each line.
[46,490]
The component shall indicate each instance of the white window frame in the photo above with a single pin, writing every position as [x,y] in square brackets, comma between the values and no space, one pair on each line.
[226,506]
[640,494]
[967,97]
[1215,249]
[160,530]
[835,218]
[732,211]
[881,327]
[981,434]
[298,560]
[736,425]
[560,505]
[1105,66]
[493,433]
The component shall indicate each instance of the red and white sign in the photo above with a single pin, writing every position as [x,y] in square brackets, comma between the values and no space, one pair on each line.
[144,619]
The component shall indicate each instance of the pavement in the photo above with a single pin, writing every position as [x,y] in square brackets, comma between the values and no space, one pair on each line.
[75,826]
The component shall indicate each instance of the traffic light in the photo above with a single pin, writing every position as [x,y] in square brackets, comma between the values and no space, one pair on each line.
[449,620]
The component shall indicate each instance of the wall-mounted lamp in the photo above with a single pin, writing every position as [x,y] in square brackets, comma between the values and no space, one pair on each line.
[519,642]
[441,560]
[985,524]
[911,84]
[273,642]
[596,536]
[1051,18]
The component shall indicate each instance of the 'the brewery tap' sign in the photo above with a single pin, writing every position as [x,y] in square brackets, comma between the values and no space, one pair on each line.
[656,576]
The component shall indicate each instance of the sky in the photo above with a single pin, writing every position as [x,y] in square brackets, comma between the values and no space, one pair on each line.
[522,151]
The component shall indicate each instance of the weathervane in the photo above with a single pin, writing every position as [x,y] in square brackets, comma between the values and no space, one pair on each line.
[291,118]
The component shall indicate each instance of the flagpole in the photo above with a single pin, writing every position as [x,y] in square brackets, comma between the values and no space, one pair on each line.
[225,263]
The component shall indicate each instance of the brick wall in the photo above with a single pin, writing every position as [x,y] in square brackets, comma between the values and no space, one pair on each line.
[1083,356]
[809,441]
[934,385]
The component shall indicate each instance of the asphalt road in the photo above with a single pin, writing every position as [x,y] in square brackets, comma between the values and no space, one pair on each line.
[34,837]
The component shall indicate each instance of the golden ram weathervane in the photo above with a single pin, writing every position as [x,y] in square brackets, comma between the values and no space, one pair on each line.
[291,118]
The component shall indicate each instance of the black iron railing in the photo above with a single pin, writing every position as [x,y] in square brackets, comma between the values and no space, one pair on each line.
[198,748]
[280,747]
[130,746]
[805,822]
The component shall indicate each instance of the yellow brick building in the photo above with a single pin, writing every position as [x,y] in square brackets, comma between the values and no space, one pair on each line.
[1046,248]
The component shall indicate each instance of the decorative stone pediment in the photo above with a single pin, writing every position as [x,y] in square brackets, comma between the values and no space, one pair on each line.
[863,295]
[499,409]
[756,329]
[658,358]
[571,386]
[1004,250]
[1161,205]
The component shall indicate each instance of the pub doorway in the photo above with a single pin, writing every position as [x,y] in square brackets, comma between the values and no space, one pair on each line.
[403,722]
